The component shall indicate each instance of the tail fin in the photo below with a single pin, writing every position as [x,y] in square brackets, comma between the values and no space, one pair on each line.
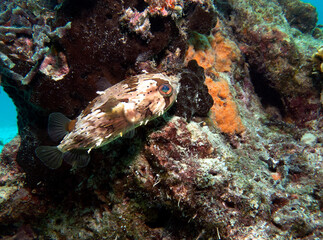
[58,126]
[51,156]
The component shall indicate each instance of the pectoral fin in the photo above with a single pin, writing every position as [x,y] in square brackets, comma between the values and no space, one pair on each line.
[59,126]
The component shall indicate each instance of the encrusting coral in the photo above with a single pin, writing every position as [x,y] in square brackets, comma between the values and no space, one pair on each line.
[318,60]
[162,7]
[224,111]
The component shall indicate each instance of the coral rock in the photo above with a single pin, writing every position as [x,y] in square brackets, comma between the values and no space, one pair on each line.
[300,15]
[193,97]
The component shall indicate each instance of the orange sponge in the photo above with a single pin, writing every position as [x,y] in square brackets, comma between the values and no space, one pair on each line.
[224,111]
[218,58]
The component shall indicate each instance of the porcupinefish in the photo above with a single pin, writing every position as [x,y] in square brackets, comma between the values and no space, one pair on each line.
[114,112]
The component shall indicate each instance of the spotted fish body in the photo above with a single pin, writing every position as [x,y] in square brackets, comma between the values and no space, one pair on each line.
[117,110]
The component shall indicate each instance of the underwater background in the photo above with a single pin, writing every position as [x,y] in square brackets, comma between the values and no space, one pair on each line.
[8,115]
[238,155]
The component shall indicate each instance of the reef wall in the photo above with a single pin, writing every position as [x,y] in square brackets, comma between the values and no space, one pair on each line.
[238,156]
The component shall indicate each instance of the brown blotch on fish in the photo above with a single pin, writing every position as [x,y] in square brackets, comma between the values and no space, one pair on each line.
[71,125]
[109,105]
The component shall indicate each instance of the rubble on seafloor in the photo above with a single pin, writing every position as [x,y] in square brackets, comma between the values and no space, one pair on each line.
[238,156]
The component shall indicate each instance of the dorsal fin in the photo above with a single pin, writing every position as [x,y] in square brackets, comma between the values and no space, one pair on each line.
[58,126]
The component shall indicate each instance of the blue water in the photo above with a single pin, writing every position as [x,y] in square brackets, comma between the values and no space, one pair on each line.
[8,119]
[319,8]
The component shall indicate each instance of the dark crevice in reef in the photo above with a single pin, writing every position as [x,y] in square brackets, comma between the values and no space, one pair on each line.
[224,7]
[158,24]
[8,229]
[158,217]
[207,20]
[269,97]
[74,8]
[141,5]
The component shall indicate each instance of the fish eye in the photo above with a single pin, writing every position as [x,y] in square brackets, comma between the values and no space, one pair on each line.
[166,90]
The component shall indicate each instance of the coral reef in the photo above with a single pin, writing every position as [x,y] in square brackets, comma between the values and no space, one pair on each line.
[17,200]
[238,156]
[300,15]
[163,7]
[318,60]
[278,58]
[25,37]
